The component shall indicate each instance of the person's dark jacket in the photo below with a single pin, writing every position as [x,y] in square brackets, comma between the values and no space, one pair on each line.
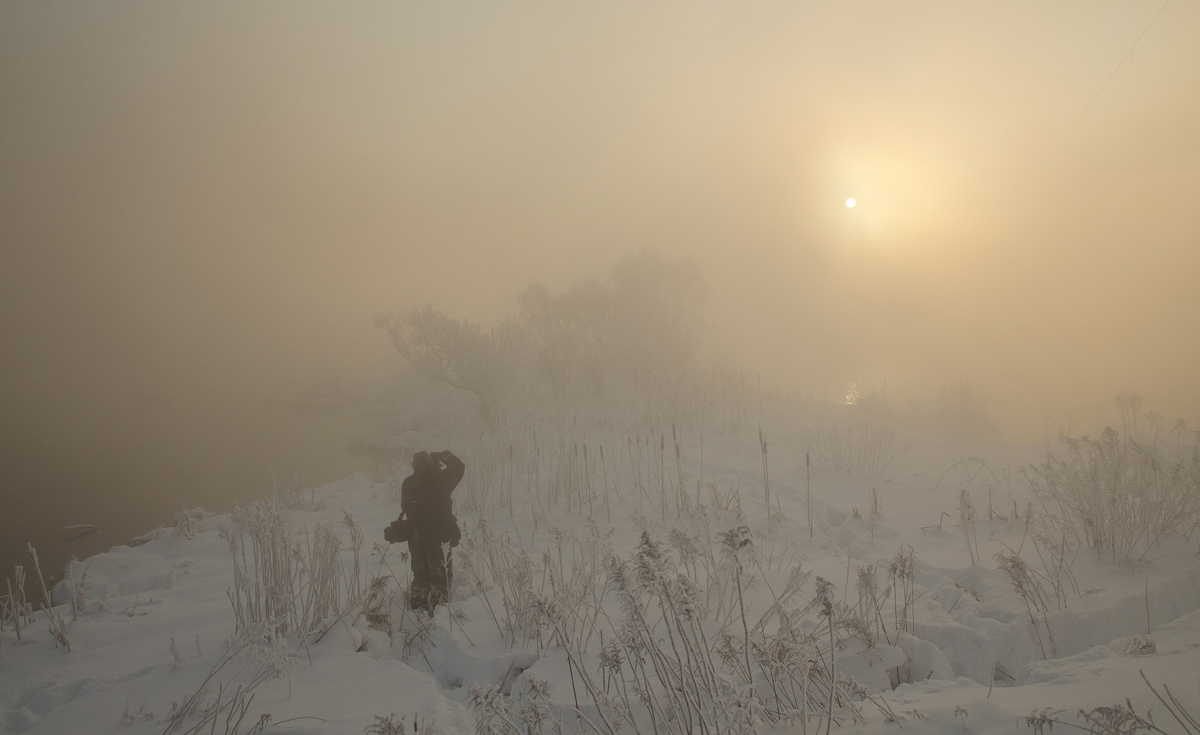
[425,498]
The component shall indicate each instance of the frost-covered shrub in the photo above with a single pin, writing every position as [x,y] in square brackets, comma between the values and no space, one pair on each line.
[496,714]
[1116,495]
[187,521]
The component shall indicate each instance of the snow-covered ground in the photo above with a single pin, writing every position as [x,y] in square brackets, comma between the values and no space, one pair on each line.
[536,598]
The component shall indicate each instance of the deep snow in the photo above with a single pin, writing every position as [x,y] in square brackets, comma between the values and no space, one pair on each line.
[156,617]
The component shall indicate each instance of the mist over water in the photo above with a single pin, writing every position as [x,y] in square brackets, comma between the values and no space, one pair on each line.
[130,473]
[201,208]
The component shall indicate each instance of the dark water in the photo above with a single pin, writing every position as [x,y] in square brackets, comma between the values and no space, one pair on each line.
[130,476]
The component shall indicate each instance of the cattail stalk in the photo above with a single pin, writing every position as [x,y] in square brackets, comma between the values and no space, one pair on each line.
[808,486]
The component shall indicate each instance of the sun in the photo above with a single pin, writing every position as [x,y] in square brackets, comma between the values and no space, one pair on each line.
[850,203]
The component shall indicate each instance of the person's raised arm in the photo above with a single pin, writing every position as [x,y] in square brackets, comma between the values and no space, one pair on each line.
[449,478]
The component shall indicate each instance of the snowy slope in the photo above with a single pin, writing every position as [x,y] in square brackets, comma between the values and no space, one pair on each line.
[155,621]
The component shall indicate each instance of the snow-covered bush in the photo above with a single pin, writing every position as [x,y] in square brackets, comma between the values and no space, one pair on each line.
[1116,495]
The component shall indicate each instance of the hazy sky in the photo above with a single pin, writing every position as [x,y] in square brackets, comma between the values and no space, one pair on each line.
[214,198]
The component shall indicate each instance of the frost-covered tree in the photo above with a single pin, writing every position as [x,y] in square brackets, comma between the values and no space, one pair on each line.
[643,323]
[658,312]
[458,352]
[553,333]
[571,333]
[640,325]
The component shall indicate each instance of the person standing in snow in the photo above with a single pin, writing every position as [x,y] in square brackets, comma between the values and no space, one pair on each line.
[425,500]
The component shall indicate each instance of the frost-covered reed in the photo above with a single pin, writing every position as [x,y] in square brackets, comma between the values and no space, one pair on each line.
[861,449]
[290,581]
[663,640]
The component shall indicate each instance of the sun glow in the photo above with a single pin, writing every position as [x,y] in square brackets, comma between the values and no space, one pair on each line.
[850,203]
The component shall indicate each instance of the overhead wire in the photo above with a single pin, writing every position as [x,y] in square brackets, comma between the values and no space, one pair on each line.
[1118,66]
[1180,96]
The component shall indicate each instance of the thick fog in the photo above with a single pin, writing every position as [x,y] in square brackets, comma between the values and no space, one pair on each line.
[203,205]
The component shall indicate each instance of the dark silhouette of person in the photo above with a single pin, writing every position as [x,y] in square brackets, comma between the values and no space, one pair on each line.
[425,499]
